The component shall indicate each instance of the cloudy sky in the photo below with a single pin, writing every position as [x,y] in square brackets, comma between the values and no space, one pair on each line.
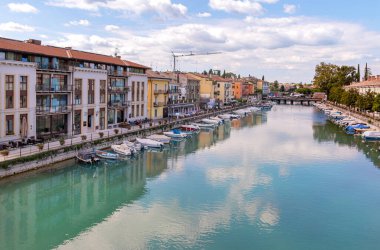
[281,39]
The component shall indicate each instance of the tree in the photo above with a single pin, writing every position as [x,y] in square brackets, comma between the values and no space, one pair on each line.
[204,72]
[239,76]
[376,103]
[366,72]
[224,74]
[263,78]
[358,73]
[210,72]
[282,88]
[275,85]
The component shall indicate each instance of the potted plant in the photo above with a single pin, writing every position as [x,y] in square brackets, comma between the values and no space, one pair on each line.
[116,131]
[4,152]
[150,124]
[62,141]
[101,134]
[84,137]
[40,146]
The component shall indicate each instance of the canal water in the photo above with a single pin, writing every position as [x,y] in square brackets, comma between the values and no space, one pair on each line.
[285,179]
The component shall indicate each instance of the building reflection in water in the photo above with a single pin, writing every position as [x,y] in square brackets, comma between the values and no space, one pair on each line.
[47,209]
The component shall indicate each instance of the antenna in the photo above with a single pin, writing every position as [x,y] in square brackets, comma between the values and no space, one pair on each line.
[117,51]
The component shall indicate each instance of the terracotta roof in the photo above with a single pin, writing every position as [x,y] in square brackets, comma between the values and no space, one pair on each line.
[219,79]
[66,53]
[191,77]
[156,74]
[199,75]
[369,83]
[135,65]
[20,46]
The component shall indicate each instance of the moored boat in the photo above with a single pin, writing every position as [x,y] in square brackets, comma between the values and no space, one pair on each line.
[371,135]
[87,157]
[106,155]
[149,143]
[159,138]
[122,149]
[176,133]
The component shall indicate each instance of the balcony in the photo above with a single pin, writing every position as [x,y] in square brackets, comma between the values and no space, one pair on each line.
[160,91]
[54,89]
[118,90]
[119,104]
[117,73]
[159,104]
[53,67]
[41,110]
[217,93]
[174,91]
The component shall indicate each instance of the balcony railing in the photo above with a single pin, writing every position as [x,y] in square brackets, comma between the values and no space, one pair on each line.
[118,89]
[159,104]
[57,88]
[53,66]
[53,109]
[117,73]
[160,91]
[119,104]
[174,91]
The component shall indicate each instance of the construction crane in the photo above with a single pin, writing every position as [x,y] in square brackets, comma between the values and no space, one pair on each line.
[190,54]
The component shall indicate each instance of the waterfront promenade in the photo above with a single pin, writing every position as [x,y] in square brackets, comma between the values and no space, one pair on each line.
[110,137]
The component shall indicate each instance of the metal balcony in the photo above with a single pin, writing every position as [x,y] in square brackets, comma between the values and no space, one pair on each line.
[54,89]
[41,110]
[53,66]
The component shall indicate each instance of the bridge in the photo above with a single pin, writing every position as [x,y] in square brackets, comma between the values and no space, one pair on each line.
[294,100]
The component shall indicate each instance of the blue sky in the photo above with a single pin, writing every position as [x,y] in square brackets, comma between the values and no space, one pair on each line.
[280,39]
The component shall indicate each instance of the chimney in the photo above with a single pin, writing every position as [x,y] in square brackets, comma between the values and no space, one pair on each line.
[34,41]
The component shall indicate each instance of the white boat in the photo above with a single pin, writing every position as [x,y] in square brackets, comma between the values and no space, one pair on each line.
[204,125]
[229,116]
[217,119]
[189,127]
[175,133]
[106,155]
[122,149]
[254,109]
[241,112]
[159,138]
[210,121]
[133,145]
[371,135]
[149,143]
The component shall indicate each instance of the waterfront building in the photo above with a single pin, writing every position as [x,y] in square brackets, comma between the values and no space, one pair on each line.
[237,89]
[264,86]
[223,90]
[158,94]
[52,92]
[206,90]
[138,80]
[372,84]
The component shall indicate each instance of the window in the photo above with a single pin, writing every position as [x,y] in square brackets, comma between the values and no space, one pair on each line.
[142,109]
[23,91]
[137,110]
[133,91]
[155,112]
[24,83]
[142,91]
[23,101]
[9,82]
[9,124]
[133,110]
[78,92]
[91,89]
[138,92]
[102,91]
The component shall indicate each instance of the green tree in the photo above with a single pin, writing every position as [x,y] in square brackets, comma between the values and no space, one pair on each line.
[275,85]
[204,72]
[358,73]
[282,88]
[210,72]
[376,103]
[224,74]
[335,94]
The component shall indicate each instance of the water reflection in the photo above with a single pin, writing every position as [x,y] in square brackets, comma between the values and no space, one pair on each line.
[329,132]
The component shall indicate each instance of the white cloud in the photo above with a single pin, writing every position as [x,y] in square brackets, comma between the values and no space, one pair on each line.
[244,6]
[82,22]
[289,8]
[163,8]
[22,7]
[111,27]
[204,14]
[16,27]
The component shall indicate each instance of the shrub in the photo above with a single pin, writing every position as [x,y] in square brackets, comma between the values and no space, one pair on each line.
[116,131]
[4,152]
[84,137]
[40,146]
[101,134]
[62,141]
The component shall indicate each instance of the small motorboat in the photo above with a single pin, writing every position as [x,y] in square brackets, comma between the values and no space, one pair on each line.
[159,138]
[149,143]
[217,119]
[210,121]
[176,133]
[189,127]
[122,149]
[205,125]
[106,155]
[87,157]
[133,145]
[371,135]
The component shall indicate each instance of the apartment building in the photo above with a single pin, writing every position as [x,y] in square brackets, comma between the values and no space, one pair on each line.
[223,90]
[51,91]
[372,85]
[206,90]
[158,94]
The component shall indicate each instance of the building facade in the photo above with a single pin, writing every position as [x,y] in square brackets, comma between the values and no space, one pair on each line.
[52,92]
[158,95]
[372,85]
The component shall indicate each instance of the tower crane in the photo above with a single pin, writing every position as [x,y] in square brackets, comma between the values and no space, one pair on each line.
[190,54]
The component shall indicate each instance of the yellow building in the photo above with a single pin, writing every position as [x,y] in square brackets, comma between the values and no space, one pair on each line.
[158,91]
[206,90]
